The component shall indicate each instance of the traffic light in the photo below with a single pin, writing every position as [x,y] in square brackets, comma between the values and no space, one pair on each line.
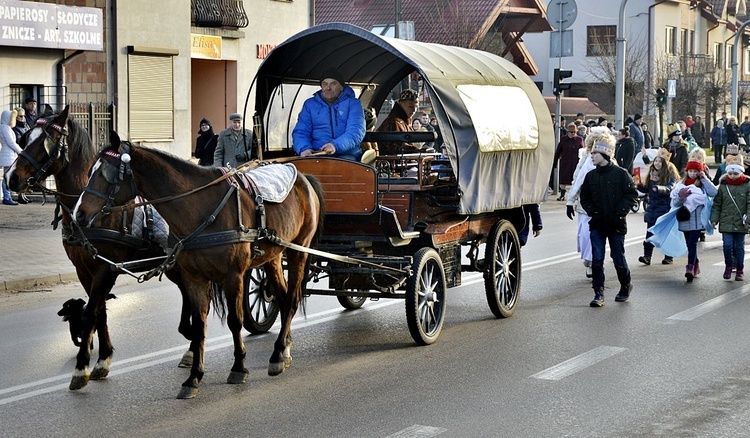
[661,97]
[559,85]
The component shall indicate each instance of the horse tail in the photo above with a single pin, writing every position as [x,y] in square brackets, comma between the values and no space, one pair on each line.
[219,301]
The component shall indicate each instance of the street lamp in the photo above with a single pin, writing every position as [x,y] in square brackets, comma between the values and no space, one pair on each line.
[620,77]
[734,66]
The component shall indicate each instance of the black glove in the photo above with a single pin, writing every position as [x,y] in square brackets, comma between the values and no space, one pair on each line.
[570,212]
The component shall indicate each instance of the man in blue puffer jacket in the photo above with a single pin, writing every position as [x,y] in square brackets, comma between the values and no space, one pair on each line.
[332,120]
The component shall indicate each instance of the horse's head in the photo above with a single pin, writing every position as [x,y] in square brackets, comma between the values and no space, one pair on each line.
[45,152]
[110,183]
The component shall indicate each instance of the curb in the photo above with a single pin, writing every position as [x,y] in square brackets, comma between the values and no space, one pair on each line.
[28,283]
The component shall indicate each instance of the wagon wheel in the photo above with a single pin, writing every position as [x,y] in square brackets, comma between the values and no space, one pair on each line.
[259,305]
[351,303]
[425,297]
[502,275]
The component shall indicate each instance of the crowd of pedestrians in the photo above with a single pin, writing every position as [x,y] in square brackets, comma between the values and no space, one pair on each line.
[682,202]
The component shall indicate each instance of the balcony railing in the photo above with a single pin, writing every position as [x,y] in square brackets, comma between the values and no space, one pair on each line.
[219,13]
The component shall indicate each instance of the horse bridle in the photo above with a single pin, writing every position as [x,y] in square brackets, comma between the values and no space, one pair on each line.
[115,176]
[54,149]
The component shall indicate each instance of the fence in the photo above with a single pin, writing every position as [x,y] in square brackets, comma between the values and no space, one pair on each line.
[97,118]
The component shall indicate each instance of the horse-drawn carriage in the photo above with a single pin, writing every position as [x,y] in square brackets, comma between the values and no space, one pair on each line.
[392,230]
[396,229]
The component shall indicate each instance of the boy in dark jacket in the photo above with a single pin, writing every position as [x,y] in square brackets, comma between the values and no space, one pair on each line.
[607,195]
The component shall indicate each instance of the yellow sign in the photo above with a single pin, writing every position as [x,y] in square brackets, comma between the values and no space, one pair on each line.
[205,46]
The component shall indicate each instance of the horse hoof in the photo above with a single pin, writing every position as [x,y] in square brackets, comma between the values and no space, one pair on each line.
[187,360]
[187,392]
[78,382]
[101,370]
[274,369]
[236,377]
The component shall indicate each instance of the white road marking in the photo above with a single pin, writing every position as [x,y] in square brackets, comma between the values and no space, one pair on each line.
[418,431]
[225,340]
[711,305]
[174,354]
[578,363]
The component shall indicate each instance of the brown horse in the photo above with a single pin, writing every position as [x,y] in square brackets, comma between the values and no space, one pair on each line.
[199,206]
[58,146]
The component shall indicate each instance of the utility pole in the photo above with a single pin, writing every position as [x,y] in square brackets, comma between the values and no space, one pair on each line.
[620,77]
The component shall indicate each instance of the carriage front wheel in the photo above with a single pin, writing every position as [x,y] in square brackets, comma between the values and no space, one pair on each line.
[425,297]
[502,275]
[259,305]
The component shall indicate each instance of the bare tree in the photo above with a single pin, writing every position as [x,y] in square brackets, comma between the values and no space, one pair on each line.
[604,70]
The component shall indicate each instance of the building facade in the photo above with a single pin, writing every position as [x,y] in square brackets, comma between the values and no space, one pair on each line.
[154,68]
[689,42]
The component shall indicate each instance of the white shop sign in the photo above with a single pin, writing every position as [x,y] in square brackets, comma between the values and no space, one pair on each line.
[30,24]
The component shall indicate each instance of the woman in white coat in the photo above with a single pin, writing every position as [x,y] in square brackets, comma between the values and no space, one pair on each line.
[9,150]
[585,165]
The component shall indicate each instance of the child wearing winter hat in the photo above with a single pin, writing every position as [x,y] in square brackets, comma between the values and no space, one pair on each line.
[657,185]
[607,195]
[691,195]
[731,210]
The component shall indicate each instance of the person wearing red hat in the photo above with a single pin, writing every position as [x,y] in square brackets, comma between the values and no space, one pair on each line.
[692,195]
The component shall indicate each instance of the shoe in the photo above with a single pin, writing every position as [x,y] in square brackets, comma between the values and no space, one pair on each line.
[589,270]
[22,200]
[667,260]
[624,293]
[696,268]
[9,202]
[645,260]
[727,271]
[598,300]
[740,273]
[689,273]
[702,238]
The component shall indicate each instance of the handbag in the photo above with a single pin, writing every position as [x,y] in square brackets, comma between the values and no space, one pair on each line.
[744,216]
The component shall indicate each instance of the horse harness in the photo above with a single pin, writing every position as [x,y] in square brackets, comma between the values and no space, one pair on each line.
[115,176]
[55,149]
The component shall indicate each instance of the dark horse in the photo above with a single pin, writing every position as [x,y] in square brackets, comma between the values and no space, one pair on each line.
[58,146]
[196,202]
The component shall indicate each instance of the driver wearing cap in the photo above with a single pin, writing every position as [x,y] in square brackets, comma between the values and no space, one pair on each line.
[331,121]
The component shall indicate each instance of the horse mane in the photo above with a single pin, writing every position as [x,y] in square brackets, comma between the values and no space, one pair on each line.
[80,147]
[182,166]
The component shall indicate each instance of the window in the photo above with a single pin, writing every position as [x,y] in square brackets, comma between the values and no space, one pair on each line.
[685,44]
[669,41]
[718,53]
[746,61]
[728,58]
[151,96]
[692,42]
[600,40]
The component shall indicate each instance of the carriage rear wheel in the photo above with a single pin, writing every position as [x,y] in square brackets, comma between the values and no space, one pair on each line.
[260,306]
[351,303]
[502,276]
[425,297]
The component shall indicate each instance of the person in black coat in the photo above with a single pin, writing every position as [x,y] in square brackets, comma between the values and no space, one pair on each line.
[607,195]
[625,150]
[206,143]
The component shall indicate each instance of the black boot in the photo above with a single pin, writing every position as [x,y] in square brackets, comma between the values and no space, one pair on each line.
[562,195]
[624,293]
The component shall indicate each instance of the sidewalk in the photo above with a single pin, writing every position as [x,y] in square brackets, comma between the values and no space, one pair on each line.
[32,252]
